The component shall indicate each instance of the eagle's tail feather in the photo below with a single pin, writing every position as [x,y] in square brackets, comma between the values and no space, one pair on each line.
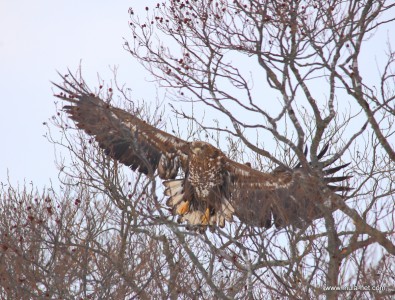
[182,206]
[197,218]
[175,191]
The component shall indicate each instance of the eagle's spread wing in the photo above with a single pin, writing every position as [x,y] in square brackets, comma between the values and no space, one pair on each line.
[122,135]
[285,196]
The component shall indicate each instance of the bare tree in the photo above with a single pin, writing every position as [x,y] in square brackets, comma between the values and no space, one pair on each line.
[296,46]
[279,75]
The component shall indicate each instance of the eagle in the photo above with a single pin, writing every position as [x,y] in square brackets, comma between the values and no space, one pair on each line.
[205,188]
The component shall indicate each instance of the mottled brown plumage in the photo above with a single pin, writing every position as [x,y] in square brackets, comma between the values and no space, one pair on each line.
[214,187]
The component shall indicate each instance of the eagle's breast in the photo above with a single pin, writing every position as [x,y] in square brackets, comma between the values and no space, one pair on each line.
[205,169]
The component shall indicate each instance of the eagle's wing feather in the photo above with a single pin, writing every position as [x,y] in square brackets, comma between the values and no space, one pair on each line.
[255,196]
[281,198]
[124,136]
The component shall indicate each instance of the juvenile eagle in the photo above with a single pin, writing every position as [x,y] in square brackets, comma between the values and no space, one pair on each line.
[214,187]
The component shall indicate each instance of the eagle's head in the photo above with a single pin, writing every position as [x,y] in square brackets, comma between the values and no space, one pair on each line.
[205,150]
[199,148]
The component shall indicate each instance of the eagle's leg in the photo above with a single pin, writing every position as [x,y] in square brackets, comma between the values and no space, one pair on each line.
[183,208]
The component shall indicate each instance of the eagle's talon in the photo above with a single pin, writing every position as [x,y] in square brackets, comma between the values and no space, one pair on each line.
[206,217]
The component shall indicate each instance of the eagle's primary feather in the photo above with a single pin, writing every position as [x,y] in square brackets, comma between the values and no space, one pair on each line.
[214,188]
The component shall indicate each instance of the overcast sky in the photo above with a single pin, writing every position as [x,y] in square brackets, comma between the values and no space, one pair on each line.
[36,39]
[39,37]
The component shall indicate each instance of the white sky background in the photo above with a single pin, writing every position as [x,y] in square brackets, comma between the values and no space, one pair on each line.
[39,37]
[36,39]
